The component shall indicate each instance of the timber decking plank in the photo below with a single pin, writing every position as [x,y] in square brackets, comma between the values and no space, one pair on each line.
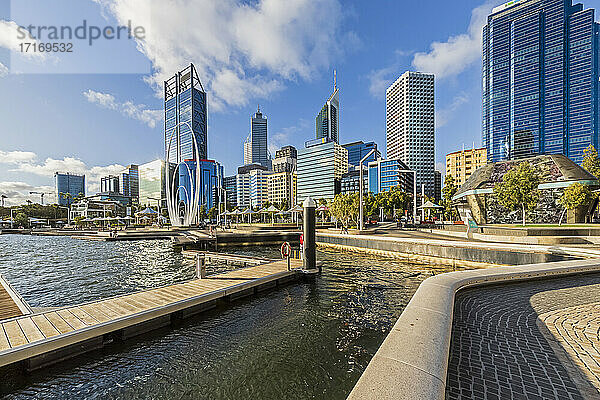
[15,335]
[3,340]
[32,332]
[83,316]
[59,323]
[48,330]
[150,299]
[95,312]
[117,308]
[112,314]
[71,319]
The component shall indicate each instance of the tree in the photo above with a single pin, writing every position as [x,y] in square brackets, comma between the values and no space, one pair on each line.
[448,192]
[341,207]
[575,196]
[591,161]
[212,213]
[202,213]
[518,189]
[78,220]
[22,220]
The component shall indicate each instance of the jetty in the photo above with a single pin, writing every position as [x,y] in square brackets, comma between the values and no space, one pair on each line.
[38,339]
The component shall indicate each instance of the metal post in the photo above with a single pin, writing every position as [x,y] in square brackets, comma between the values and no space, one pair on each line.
[200,266]
[310,246]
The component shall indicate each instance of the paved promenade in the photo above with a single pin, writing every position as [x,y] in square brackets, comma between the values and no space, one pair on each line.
[529,340]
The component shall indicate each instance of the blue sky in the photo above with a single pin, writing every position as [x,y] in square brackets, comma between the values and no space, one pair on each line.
[99,107]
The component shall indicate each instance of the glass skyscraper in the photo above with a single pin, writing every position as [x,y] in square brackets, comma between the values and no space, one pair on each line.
[327,123]
[185,117]
[540,80]
[255,146]
[357,150]
[73,185]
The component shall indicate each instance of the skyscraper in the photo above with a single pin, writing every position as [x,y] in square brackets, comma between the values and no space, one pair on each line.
[185,117]
[320,169]
[357,150]
[68,186]
[410,125]
[327,123]
[255,145]
[540,80]
[129,183]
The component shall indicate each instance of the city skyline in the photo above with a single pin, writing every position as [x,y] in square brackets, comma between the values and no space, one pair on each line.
[125,107]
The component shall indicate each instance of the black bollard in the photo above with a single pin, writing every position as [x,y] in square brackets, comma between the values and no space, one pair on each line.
[310,246]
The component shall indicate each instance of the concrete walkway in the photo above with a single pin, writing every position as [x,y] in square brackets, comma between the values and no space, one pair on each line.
[524,341]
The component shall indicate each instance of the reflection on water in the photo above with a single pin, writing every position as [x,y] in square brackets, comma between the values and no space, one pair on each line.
[305,340]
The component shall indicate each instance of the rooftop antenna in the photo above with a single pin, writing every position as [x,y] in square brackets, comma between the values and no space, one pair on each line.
[258,107]
[334,79]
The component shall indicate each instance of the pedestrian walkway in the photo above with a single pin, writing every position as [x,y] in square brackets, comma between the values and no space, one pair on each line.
[501,347]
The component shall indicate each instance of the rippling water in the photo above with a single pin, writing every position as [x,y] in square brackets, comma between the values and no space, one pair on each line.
[305,340]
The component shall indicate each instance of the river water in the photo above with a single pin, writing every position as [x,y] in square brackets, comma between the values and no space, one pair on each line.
[304,340]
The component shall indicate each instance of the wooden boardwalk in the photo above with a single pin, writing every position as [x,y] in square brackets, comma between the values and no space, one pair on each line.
[45,337]
[11,305]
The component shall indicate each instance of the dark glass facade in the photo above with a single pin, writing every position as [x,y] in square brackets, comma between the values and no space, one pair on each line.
[357,150]
[258,138]
[230,184]
[540,80]
[386,174]
[71,184]
[327,124]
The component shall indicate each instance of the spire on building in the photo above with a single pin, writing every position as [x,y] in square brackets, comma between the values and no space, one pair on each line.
[334,80]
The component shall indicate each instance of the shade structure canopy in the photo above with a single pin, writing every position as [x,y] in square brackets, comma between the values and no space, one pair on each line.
[322,208]
[147,211]
[429,205]
[295,209]
[272,209]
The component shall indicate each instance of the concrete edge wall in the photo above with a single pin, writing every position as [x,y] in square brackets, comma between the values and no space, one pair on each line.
[485,253]
[412,361]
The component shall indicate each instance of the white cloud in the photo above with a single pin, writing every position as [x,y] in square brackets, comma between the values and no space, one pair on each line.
[10,38]
[285,135]
[242,50]
[25,162]
[453,56]
[18,193]
[15,157]
[129,109]
[381,79]
[444,115]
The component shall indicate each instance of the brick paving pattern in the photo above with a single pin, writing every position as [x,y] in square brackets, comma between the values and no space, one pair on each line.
[577,329]
[498,351]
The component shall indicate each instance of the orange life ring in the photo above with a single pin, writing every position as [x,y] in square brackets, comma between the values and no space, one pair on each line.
[286,249]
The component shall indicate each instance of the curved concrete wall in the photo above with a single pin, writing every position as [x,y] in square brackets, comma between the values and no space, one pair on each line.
[412,362]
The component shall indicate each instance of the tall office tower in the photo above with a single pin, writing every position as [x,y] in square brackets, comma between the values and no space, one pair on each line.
[281,188]
[151,183]
[540,80]
[211,177]
[327,123]
[358,150]
[185,117]
[109,184]
[461,164]
[68,186]
[255,145]
[410,125]
[242,184]
[320,170]
[437,192]
[230,186]
[129,183]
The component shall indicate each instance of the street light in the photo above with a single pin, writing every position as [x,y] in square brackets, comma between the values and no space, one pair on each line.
[360,186]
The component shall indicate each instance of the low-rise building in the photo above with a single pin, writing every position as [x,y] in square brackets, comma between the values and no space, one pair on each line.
[386,174]
[351,182]
[461,164]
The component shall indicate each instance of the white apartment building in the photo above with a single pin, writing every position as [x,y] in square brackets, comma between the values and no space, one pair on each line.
[410,125]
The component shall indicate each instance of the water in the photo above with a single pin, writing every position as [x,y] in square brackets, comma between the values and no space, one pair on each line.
[305,340]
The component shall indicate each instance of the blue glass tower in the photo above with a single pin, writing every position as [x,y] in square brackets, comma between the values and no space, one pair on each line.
[357,150]
[68,184]
[540,80]
[185,117]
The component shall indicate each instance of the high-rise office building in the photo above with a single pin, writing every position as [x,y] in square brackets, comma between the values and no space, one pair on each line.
[461,164]
[255,145]
[109,184]
[386,174]
[151,183]
[230,185]
[129,183]
[327,123]
[410,125]
[320,170]
[242,184]
[357,150]
[540,80]
[281,188]
[259,191]
[287,151]
[437,187]
[68,186]
[210,178]
[185,117]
